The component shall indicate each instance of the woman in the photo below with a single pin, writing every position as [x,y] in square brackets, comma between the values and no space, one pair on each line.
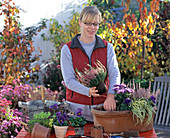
[85,48]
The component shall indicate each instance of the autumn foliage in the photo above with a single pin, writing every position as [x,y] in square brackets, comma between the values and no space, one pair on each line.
[15,46]
[135,40]
[132,39]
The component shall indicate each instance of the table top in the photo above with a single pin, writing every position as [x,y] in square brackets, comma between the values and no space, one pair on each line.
[87,132]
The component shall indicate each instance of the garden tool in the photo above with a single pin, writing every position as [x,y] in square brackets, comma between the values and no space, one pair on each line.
[126,134]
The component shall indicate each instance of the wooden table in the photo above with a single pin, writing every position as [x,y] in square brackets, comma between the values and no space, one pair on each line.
[24,134]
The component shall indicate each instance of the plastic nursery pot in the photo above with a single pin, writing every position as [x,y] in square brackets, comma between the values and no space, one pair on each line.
[40,131]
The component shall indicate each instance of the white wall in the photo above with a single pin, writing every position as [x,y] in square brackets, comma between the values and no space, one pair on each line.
[47,46]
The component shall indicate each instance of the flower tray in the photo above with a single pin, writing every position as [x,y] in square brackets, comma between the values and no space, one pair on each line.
[118,121]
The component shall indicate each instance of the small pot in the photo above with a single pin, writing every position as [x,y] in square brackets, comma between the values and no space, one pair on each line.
[97,132]
[40,131]
[60,131]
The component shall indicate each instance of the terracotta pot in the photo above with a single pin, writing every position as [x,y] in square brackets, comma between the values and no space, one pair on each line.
[40,131]
[97,132]
[79,130]
[118,121]
[60,131]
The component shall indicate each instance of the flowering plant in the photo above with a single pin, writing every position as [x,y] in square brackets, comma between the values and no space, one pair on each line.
[78,119]
[52,78]
[61,119]
[9,119]
[24,92]
[16,92]
[43,118]
[93,77]
[139,101]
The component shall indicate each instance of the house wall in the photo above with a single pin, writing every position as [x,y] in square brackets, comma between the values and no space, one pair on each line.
[47,46]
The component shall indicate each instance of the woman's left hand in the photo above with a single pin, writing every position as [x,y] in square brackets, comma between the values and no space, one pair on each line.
[110,103]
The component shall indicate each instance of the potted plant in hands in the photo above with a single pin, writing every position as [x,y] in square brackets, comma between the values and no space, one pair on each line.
[93,77]
[78,122]
[60,124]
[133,107]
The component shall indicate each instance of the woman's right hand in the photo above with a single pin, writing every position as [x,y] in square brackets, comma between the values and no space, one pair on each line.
[93,92]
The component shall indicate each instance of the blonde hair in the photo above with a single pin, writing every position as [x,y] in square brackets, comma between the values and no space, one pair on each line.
[89,13]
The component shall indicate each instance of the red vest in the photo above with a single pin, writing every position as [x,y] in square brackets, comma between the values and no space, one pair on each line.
[80,61]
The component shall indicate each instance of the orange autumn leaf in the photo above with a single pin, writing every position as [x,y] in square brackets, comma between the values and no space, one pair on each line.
[145,11]
[128,1]
[125,16]
[39,50]
[2,53]
[133,16]
[33,48]
[8,70]
[141,5]
[37,67]
[127,6]
[122,3]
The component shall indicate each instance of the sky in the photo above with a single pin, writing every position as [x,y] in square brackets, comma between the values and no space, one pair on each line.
[37,9]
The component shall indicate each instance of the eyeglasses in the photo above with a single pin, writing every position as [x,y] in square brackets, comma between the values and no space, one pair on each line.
[89,24]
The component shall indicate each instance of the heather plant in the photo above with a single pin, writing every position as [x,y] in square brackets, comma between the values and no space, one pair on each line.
[9,119]
[93,77]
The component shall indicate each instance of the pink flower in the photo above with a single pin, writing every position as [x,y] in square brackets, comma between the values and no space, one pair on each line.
[58,66]
[16,130]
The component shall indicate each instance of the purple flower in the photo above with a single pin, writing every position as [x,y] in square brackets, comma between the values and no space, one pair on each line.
[65,115]
[55,106]
[61,120]
[58,114]
[121,91]
[79,112]
[127,101]
[129,90]
[116,88]
[153,99]
[123,85]
[116,85]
